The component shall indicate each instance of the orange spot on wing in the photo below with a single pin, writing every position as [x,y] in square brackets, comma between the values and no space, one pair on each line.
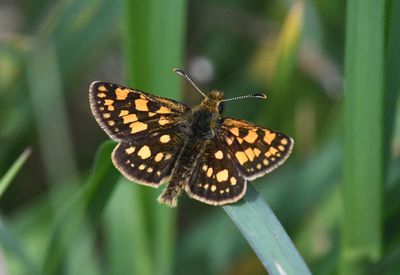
[102,88]
[130,118]
[159,157]
[256,151]
[219,154]
[250,154]
[241,157]
[123,113]
[165,138]
[222,175]
[130,150]
[163,110]
[121,94]
[251,136]
[234,130]
[209,172]
[273,150]
[144,152]
[141,105]
[163,121]
[269,136]
[137,127]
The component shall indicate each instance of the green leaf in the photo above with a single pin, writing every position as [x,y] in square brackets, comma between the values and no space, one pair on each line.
[12,172]
[266,235]
[148,66]
[363,165]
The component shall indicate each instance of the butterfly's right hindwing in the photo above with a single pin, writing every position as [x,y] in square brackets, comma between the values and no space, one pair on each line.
[148,161]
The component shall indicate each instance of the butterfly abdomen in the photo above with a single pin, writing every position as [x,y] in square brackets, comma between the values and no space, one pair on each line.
[184,167]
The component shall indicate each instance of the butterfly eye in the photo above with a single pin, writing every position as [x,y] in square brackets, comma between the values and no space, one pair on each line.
[220,107]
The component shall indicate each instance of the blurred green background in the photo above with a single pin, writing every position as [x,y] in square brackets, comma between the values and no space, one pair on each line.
[330,70]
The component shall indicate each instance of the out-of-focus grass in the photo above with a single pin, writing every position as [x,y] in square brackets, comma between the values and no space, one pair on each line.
[50,115]
[15,247]
[363,163]
[275,62]
[392,81]
[6,179]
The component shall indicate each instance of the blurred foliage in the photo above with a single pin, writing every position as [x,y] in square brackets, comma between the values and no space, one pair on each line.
[60,213]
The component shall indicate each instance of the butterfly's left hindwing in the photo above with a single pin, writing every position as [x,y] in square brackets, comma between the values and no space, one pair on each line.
[216,180]
[126,114]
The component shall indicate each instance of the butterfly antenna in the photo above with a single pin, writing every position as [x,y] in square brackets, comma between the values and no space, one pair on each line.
[257,95]
[182,73]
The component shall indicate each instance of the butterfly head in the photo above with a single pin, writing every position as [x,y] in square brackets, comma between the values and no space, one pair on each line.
[214,99]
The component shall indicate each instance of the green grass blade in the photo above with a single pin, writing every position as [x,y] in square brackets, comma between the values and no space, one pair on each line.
[287,45]
[148,66]
[266,235]
[88,205]
[392,80]
[124,222]
[12,172]
[49,110]
[363,136]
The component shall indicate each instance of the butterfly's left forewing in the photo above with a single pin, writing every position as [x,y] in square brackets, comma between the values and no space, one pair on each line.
[254,149]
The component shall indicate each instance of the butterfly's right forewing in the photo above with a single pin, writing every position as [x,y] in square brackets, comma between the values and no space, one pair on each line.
[126,114]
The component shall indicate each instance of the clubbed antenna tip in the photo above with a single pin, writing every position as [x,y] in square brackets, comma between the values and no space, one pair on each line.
[182,73]
[257,95]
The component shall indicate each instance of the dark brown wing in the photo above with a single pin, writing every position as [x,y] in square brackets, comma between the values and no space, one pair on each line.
[126,114]
[254,149]
[216,180]
[148,161]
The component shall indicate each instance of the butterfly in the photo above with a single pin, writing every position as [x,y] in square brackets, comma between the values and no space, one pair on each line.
[195,150]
